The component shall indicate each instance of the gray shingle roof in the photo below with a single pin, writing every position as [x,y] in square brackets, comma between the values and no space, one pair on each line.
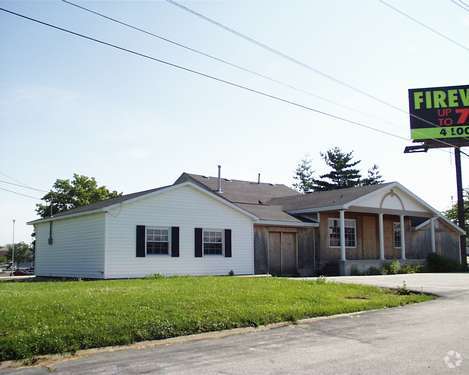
[238,191]
[269,213]
[248,195]
[270,202]
[322,199]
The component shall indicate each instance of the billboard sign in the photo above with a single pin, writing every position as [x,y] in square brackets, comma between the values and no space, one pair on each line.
[439,113]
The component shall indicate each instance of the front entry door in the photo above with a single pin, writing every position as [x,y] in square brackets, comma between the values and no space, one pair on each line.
[282,253]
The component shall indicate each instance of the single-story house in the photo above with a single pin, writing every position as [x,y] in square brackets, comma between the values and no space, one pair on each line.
[204,225]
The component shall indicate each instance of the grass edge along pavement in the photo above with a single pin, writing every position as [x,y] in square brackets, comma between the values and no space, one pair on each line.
[66,316]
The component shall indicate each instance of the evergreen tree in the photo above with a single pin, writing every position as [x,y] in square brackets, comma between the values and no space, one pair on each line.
[342,174]
[374,177]
[304,176]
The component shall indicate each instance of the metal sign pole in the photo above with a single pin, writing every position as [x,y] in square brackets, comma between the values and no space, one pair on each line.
[461,216]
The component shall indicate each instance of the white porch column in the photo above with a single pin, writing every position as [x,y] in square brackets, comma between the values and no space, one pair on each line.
[342,235]
[432,233]
[402,225]
[381,237]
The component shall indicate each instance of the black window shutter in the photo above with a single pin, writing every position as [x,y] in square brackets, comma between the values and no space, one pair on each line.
[140,243]
[228,243]
[174,241]
[198,242]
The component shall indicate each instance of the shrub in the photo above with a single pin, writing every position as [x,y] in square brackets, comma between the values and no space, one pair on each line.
[355,272]
[330,269]
[439,263]
[392,268]
[411,268]
[374,271]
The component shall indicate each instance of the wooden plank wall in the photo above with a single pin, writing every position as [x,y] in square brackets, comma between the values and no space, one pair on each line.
[446,241]
[367,237]
[305,245]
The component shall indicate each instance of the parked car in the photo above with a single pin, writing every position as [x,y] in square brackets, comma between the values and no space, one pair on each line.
[24,272]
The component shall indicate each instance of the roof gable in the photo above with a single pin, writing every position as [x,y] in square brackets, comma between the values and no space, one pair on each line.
[95,207]
[392,197]
[109,203]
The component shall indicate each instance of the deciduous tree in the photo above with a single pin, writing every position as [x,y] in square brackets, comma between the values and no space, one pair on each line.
[23,252]
[452,213]
[66,194]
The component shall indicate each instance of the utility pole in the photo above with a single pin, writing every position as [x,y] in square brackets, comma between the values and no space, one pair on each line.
[13,250]
[461,216]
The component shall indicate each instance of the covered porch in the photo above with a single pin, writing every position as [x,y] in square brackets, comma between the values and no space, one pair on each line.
[362,239]
[388,224]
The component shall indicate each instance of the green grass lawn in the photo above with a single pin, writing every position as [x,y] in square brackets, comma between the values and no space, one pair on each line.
[56,317]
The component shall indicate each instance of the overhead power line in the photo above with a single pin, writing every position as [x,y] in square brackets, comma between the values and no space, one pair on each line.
[230,83]
[302,64]
[18,193]
[429,28]
[461,4]
[224,61]
[24,186]
[9,177]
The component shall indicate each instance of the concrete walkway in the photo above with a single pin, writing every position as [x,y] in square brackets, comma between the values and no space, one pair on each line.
[426,338]
[17,277]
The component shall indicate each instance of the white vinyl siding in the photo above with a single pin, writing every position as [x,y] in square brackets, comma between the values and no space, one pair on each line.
[187,208]
[77,248]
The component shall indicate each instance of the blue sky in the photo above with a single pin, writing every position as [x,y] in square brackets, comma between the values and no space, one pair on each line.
[70,106]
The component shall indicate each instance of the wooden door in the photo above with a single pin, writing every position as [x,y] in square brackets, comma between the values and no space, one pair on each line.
[282,253]
[369,236]
[275,253]
[288,249]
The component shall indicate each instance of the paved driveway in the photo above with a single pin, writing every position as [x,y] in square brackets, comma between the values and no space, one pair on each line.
[413,339]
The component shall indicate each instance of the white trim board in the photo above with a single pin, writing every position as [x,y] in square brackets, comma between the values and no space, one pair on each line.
[144,196]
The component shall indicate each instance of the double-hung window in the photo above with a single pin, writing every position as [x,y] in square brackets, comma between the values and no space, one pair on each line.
[157,241]
[350,232]
[396,235]
[213,242]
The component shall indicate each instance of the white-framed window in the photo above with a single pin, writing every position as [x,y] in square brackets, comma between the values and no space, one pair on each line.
[396,235]
[157,241]
[212,241]
[350,232]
